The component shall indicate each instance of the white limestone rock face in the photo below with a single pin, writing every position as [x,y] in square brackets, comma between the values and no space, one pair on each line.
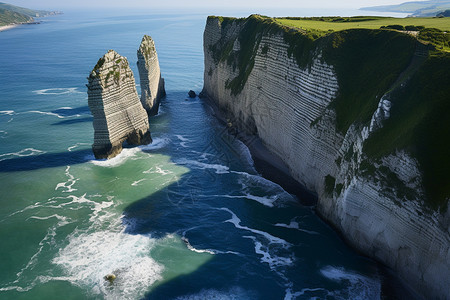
[152,84]
[114,103]
[378,208]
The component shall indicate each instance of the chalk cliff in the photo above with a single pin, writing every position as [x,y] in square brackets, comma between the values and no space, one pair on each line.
[350,115]
[152,85]
[114,103]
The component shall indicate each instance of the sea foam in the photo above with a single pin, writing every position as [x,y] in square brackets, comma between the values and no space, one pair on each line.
[21,153]
[47,113]
[67,185]
[57,91]
[359,287]
[89,257]
[190,247]
[7,112]
[295,225]
[115,161]
[237,223]
[219,169]
[128,153]
[234,293]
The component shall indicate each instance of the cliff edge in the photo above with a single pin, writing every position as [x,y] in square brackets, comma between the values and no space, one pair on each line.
[152,85]
[114,103]
[359,117]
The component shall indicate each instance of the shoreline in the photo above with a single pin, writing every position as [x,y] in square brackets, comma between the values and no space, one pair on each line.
[7,27]
[271,167]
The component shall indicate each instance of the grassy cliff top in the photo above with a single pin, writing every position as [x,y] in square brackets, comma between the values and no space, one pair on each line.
[428,30]
[343,23]
[433,30]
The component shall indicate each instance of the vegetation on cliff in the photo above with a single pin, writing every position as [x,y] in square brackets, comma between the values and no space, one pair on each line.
[369,63]
[10,17]
[249,38]
[419,124]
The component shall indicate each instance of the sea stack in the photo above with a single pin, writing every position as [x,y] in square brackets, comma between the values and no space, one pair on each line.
[114,103]
[152,85]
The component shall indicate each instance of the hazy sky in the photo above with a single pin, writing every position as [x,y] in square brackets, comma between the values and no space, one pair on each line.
[177,4]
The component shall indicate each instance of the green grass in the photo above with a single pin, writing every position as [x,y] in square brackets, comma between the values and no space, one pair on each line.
[362,23]
[432,30]
[436,37]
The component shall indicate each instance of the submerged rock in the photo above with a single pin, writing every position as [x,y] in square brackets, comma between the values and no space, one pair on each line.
[114,103]
[192,94]
[152,85]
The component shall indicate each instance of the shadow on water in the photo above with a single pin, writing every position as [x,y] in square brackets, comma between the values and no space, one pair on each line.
[73,112]
[219,286]
[74,121]
[46,160]
[70,112]
[171,211]
[166,213]
[50,160]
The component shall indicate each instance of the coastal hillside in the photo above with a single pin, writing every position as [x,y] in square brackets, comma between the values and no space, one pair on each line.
[416,8]
[11,14]
[8,17]
[357,110]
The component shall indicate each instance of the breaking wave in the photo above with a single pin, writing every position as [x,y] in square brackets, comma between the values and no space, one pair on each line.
[21,153]
[57,91]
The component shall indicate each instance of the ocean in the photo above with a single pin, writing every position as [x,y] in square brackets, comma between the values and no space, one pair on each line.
[186,217]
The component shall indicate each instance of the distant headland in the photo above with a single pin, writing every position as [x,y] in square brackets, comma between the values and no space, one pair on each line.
[12,16]
[429,8]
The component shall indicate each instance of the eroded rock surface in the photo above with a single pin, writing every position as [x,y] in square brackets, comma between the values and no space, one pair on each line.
[116,108]
[152,84]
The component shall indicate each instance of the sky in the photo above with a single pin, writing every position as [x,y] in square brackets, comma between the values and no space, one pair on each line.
[192,4]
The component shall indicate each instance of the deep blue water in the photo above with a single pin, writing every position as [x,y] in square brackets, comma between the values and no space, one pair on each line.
[187,217]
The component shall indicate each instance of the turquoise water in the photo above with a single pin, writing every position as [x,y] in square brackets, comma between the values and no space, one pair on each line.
[187,217]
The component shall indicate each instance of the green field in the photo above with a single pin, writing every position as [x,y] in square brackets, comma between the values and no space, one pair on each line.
[363,23]
[428,30]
